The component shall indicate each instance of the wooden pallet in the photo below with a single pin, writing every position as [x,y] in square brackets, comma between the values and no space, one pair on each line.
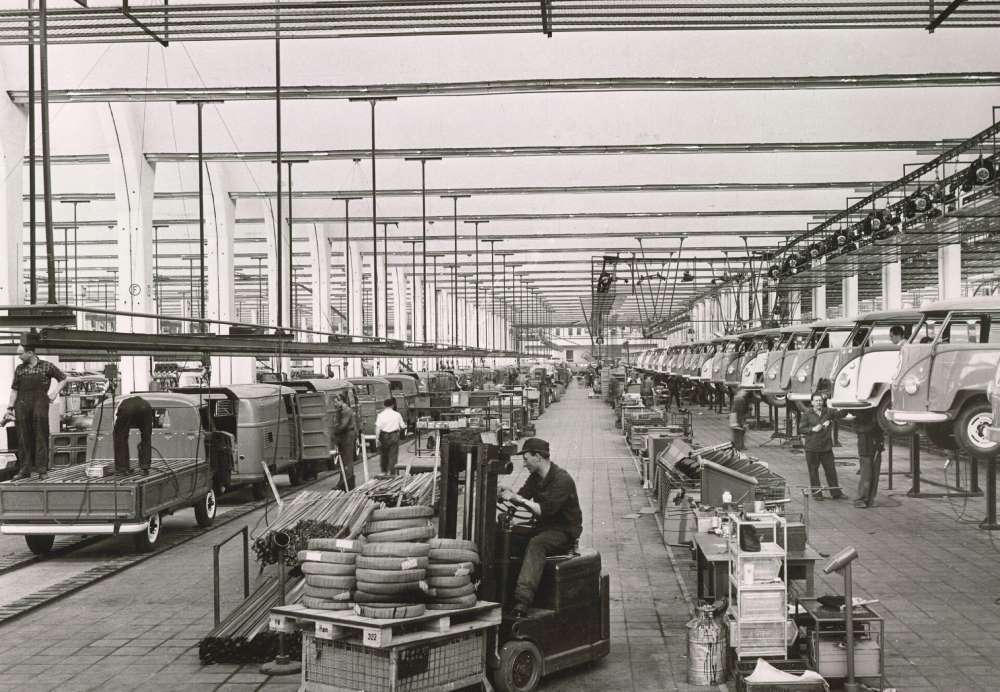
[381,634]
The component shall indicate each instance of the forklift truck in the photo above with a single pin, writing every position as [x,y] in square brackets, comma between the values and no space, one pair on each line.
[568,624]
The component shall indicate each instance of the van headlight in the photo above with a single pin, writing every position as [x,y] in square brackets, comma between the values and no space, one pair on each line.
[772,374]
[910,384]
[844,380]
[731,369]
[801,375]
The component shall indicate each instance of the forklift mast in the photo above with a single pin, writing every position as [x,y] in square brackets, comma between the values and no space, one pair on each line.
[471,461]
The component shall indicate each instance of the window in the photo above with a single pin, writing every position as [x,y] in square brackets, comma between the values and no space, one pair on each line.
[161,418]
[396,386]
[927,330]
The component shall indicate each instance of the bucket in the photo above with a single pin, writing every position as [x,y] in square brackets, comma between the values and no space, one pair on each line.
[706,647]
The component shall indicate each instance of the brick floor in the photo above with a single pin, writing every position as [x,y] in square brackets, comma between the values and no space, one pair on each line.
[931,568]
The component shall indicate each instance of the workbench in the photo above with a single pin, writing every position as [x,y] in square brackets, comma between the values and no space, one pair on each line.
[712,555]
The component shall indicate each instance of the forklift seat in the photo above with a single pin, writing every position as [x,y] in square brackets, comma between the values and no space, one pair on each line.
[574,551]
[568,579]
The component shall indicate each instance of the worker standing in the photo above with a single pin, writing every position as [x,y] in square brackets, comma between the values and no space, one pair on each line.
[389,427]
[550,494]
[345,435]
[133,412]
[646,391]
[816,426]
[30,397]
[870,445]
[738,419]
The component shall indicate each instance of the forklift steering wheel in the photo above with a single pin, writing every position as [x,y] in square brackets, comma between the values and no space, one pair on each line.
[514,512]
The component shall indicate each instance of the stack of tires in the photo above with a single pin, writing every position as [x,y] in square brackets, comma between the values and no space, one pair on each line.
[392,567]
[329,566]
[449,574]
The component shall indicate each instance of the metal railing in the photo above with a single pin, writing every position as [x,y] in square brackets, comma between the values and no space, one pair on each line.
[216,581]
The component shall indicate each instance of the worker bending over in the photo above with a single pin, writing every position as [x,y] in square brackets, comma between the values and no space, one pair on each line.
[133,412]
[389,427]
[29,404]
[550,494]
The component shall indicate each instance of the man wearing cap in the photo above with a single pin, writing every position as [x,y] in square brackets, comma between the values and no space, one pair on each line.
[389,427]
[29,403]
[550,494]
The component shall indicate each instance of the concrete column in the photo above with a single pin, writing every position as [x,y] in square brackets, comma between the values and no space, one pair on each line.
[849,293]
[795,306]
[13,136]
[133,179]
[892,286]
[418,311]
[271,234]
[383,293]
[356,292]
[949,272]
[319,259]
[819,302]
[399,305]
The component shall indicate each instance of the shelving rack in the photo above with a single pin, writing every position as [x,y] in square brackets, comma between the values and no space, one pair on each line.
[757,590]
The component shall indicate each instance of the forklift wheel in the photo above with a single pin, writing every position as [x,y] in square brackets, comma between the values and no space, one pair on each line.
[39,544]
[520,667]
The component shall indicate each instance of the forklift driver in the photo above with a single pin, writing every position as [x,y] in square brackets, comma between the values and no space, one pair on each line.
[550,495]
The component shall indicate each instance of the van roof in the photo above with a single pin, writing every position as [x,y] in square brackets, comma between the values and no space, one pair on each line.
[320,384]
[891,316]
[796,328]
[241,391]
[839,322]
[368,379]
[974,303]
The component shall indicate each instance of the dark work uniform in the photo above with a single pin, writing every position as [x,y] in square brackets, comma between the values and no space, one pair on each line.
[819,449]
[738,419]
[346,437]
[31,413]
[870,446]
[133,412]
[558,527]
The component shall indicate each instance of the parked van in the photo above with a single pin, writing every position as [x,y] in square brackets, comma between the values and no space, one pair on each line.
[814,364]
[331,390]
[372,392]
[746,345]
[781,362]
[944,371]
[723,356]
[867,363]
[752,371]
[405,390]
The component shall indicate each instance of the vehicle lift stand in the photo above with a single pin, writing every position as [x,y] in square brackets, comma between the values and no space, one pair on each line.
[784,437]
[950,491]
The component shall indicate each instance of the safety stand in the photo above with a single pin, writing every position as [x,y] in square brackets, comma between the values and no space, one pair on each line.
[990,523]
[951,491]
[784,437]
[891,473]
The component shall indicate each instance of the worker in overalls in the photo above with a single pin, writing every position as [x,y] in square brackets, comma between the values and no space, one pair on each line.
[29,405]
[133,412]
[345,435]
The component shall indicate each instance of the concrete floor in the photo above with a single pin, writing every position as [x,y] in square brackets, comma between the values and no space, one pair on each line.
[926,561]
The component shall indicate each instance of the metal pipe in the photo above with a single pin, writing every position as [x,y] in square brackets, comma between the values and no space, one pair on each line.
[201,215]
[374,230]
[32,193]
[467,506]
[277,164]
[43,62]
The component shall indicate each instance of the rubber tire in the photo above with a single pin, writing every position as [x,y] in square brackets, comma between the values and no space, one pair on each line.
[325,581]
[444,595]
[320,604]
[310,470]
[392,611]
[394,525]
[520,668]
[258,490]
[395,550]
[294,475]
[330,556]
[391,563]
[145,541]
[888,427]
[449,569]
[335,595]
[459,602]
[401,590]
[444,555]
[402,535]
[384,576]
[984,412]
[40,544]
[205,510]
[414,512]
[452,544]
[941,436]
[327,569]
[448,582]
[330,545]
[365,597]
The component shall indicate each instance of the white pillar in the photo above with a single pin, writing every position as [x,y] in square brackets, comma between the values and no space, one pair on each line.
[133,178]
[892,286]
[270,232]
[819,302]
[13,135]
[319,259]
[949,271]
[795,306]
[849,294]
[399,307]
[418,311]
[356,290]
[383,298]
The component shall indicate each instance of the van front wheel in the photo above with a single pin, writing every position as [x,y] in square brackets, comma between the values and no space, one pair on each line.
[970,430]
